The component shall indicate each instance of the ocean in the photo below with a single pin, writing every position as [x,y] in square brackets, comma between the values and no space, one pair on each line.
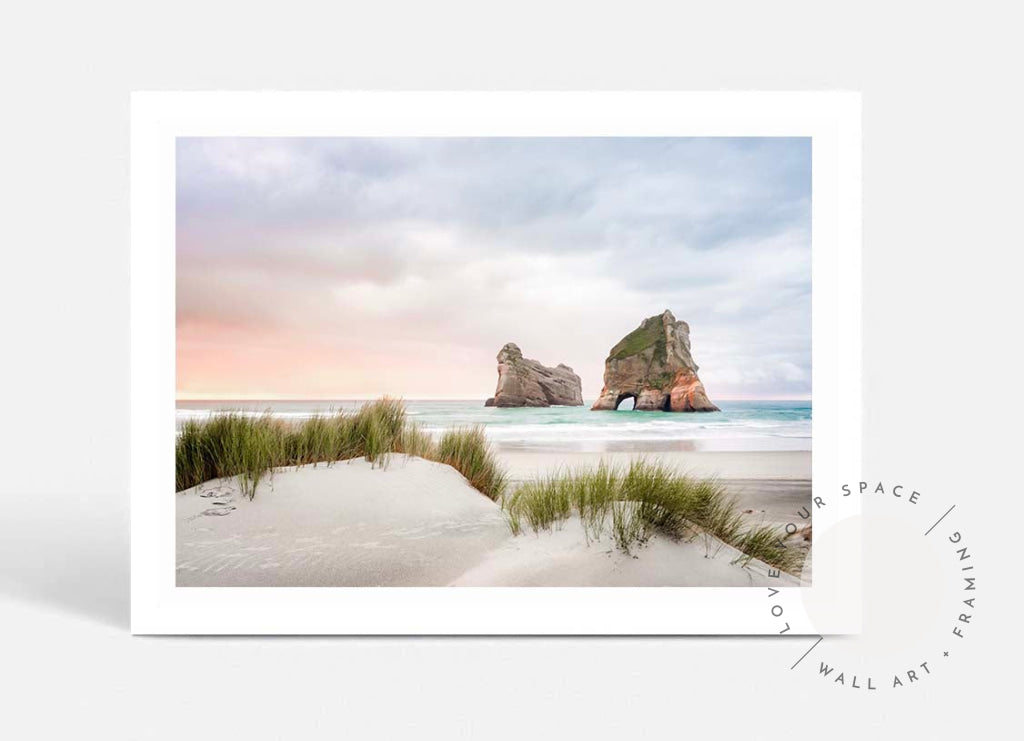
[740,426]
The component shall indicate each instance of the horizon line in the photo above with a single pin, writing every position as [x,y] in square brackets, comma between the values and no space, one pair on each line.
[432,398]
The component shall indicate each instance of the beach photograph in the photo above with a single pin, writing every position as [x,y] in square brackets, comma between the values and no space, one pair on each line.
[493,362]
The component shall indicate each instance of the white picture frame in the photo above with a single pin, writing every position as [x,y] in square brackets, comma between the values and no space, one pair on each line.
[832,120]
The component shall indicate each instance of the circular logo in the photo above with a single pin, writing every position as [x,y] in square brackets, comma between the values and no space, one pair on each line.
[918,600]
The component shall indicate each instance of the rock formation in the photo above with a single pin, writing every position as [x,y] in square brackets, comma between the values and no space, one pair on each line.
[653,365]
[526,383]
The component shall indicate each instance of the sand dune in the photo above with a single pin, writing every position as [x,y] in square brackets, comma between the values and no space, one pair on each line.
[415,523]
[564,558]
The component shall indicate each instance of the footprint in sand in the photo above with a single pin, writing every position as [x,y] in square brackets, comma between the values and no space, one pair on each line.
[214,493]
[227,509]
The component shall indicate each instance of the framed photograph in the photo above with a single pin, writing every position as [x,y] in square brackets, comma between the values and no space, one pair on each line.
[495,363]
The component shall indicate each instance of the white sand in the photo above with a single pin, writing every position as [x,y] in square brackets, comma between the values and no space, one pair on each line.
[413,523]
[563,558]
[418,523]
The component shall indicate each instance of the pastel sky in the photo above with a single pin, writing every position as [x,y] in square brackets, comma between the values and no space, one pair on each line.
[350,268]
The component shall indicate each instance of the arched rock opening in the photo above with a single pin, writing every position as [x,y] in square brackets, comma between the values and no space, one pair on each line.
[631,398]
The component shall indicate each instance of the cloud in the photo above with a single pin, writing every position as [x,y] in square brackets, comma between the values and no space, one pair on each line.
[339,267]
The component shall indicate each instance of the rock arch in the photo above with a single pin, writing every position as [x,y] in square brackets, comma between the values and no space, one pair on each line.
[623,397]
[653,364]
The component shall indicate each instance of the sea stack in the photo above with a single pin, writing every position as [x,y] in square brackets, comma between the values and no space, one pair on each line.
[526,383]
[653,365]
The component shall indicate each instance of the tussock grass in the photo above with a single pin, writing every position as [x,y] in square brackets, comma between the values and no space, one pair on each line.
[376,430]
[250,447]
[632,503]
[414,441]
[230,444]
[466,450]
[766,544]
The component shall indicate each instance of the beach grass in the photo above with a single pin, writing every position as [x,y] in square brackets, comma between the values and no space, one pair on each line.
[466,450]
[249,447]
[414,441]
[230,444]
[632,503]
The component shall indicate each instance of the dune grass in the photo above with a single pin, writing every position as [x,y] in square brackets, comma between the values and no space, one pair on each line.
[229,444]
[632,503]
[466,450]
[249,447]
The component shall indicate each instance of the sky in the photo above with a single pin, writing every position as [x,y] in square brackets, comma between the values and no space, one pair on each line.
[350,268]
